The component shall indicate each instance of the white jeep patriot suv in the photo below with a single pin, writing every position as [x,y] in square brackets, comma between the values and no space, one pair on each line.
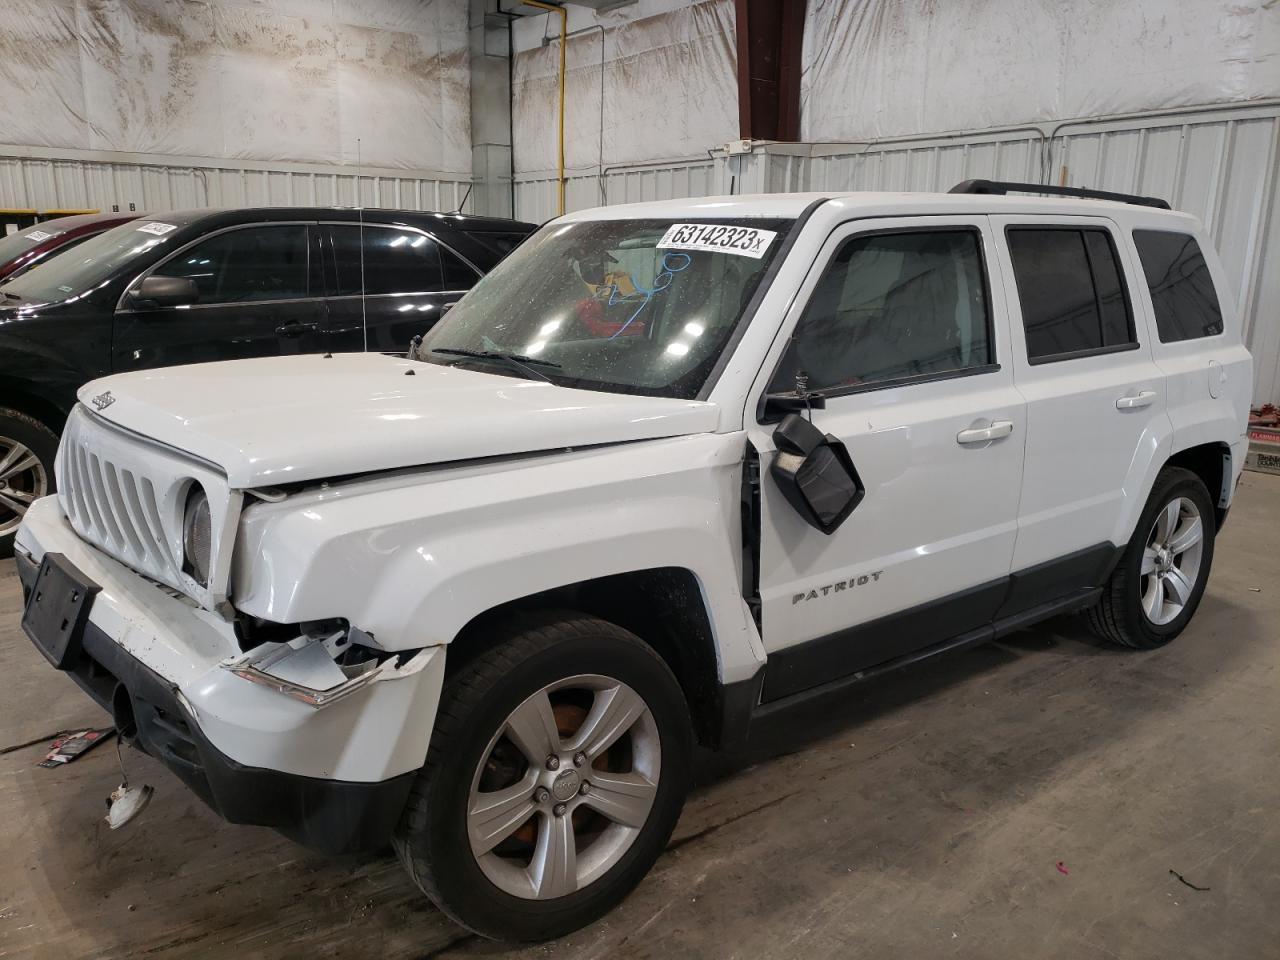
[668,469]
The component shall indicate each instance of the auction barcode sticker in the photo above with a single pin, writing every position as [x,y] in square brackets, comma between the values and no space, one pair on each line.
[717,238]
[156,227]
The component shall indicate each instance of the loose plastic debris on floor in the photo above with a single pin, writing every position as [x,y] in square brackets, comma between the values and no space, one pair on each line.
[68,746]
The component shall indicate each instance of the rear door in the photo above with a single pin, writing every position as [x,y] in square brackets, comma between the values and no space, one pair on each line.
[407,277]
[258,297]
[1096,401]
[907,340]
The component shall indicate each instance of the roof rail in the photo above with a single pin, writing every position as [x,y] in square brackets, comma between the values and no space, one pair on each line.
[1000,188]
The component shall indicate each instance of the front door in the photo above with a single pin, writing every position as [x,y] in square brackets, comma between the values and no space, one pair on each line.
[257,299]
[903,333]
[408,279]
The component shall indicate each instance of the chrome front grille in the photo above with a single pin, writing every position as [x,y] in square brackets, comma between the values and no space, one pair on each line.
[125,494]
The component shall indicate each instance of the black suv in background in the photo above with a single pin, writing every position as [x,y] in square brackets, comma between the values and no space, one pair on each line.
[199,285]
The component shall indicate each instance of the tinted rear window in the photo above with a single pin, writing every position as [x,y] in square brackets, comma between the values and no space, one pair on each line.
[1070,288]
[1182,293]
[498,242]
[396,260]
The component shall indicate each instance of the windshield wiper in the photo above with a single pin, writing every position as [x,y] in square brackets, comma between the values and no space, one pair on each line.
[514,360]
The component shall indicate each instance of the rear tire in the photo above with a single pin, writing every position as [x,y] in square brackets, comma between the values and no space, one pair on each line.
[1157,585]
[27,449]
[557,855]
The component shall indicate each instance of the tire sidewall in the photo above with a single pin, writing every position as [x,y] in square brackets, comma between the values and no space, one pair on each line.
[1180,484]
[41,441]
[460,881]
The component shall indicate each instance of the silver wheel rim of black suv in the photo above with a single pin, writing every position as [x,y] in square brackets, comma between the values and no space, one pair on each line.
[1171,560]
[22,481]
[570,815]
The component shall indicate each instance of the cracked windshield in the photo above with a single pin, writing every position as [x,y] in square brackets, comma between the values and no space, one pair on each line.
[629,306]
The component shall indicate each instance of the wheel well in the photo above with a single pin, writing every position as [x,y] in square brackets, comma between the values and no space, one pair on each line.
[1211,462]
[14,397]
[662,606]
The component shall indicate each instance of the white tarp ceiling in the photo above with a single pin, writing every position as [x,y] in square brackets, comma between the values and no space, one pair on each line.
[883,68]
[670,86]
[298,80]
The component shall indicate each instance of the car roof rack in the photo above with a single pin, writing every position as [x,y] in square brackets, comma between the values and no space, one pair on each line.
[1000,188]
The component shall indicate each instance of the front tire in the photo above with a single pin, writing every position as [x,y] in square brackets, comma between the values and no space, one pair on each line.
[27,449]
[558,766]
[1162,575]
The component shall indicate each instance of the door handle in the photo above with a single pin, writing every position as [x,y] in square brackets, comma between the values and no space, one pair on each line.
[1132,401]
[998,429]
[295,328]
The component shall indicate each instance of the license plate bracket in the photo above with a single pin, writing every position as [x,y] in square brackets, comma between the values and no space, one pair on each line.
[57,610]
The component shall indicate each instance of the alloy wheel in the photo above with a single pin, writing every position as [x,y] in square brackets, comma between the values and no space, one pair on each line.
[564,787]
[23,480]
[1171,560]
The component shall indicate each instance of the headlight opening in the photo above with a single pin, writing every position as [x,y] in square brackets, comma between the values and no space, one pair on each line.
[197,536]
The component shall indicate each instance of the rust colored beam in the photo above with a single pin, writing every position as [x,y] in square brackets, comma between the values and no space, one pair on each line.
[770,36]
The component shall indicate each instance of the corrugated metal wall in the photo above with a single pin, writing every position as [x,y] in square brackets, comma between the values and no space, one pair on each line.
[1217,163]
[44,183]
[691,177]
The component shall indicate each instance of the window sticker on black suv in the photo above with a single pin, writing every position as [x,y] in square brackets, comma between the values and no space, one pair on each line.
[156,227]
[1182,292]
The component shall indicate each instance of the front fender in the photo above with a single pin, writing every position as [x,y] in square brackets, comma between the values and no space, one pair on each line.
[413,558]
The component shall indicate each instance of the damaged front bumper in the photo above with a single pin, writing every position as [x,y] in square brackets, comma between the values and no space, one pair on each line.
[328,764]
[304,669]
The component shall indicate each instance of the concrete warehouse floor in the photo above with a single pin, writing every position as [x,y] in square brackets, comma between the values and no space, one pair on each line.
[925,816]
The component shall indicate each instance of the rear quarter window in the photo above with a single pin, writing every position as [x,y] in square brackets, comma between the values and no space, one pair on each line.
[499,243]
[1182,292]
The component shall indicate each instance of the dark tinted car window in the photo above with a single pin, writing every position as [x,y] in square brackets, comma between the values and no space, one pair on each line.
[1072,294]
[457,275]
[498,242]
[1182,292]
[395,260]
[252,263]
[891,306]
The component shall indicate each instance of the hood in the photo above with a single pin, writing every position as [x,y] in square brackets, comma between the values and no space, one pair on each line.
[288,419]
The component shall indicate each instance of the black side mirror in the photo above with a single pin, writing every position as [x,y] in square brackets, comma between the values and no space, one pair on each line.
[165,292]
[814,472]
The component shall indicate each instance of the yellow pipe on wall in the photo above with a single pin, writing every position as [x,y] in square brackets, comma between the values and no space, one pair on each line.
[564,27]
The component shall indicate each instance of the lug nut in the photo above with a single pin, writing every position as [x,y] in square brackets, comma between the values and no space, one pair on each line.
[553,762]
[559,809]
[541,795]
[585,788]
[579,758]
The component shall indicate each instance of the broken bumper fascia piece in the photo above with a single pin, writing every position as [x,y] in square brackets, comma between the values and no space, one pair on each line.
[304,670]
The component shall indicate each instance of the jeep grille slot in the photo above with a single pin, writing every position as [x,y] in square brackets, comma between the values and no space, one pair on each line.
[110,507]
